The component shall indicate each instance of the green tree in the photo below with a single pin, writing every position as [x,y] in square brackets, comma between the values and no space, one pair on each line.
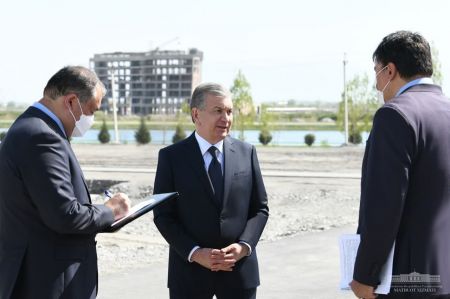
[142,135]
[243,111]
[267,121]
[437,67]
[180,134]
[309,139]
[185,108]
[103,135]
[355,137]
[265,137]
[362,105]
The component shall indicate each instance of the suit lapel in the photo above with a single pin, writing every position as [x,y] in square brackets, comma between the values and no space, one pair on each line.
[54,126]
[74,157]
[47,119]
[198,164]
[230,164]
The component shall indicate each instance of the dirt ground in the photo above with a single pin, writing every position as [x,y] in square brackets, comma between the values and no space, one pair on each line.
[309,189]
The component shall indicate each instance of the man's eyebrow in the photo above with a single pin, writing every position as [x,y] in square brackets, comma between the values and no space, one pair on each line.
[222,108]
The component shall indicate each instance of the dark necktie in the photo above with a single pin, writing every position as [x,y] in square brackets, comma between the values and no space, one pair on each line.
[215,175]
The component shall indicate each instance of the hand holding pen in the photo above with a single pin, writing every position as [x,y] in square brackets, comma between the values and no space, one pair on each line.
[108,195]
[119,203]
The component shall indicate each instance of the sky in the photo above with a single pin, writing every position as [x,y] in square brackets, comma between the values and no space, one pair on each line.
[287,49]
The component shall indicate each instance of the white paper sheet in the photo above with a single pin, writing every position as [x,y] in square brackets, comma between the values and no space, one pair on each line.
[348,248]
[134,209]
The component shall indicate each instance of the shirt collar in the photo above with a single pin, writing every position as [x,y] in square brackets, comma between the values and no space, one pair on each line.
[425,80]
[205,145]
[51,115]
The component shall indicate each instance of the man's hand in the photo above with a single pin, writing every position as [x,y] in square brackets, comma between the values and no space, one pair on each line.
[220,259]
[119,204]
[207,257]
[226,258]
[362,291]
[235,251]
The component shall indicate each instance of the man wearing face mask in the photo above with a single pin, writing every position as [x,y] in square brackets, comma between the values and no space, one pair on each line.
[380,93]
[405,194]
[47,221]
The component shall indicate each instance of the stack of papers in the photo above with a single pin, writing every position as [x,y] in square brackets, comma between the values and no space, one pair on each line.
[348,248]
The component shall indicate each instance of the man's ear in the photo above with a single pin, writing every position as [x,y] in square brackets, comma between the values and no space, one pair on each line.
[69,99]
[194,115]
[392,70]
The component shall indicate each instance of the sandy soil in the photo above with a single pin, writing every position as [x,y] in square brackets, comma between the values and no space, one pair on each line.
[298,204]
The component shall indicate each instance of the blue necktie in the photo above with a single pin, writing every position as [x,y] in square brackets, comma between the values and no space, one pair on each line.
[215,175]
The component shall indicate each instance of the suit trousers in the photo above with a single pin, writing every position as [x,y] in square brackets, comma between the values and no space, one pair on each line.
[221,293]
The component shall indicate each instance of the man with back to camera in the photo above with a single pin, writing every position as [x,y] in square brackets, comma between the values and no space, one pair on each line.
[47,221]
[215,224]
[405,194]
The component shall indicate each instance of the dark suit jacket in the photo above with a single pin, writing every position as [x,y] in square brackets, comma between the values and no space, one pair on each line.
[47,222]
[405,188]
[194,219]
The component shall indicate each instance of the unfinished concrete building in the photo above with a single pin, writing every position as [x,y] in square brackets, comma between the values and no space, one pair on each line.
[154,82]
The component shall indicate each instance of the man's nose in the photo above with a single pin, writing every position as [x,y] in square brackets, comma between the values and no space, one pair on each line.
[225,116]
[229,118]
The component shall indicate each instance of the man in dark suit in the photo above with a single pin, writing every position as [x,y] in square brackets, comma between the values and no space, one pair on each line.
[405,193]
[47,221]
[215,224]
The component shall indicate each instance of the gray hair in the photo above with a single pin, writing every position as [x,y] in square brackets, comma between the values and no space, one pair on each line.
[200,92]
[74,79]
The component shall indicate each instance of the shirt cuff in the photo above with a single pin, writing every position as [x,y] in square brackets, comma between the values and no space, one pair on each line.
[191,253]
[249,247]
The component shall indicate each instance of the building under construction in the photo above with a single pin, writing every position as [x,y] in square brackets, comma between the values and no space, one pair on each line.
[154,82]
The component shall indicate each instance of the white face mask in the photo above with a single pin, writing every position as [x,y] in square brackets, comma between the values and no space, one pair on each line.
[380,98]
[83,124]
[380,93]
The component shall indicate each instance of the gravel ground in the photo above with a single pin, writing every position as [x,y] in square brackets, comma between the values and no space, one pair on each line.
[297,205]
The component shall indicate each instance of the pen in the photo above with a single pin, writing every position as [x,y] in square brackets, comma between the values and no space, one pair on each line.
[108,194]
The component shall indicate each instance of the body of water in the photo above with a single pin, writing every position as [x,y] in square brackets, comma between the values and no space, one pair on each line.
[282,137]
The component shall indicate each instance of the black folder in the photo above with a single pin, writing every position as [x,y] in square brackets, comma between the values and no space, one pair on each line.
[140,209]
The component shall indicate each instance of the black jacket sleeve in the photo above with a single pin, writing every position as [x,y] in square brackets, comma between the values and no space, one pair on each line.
[47,177]
[386,171]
